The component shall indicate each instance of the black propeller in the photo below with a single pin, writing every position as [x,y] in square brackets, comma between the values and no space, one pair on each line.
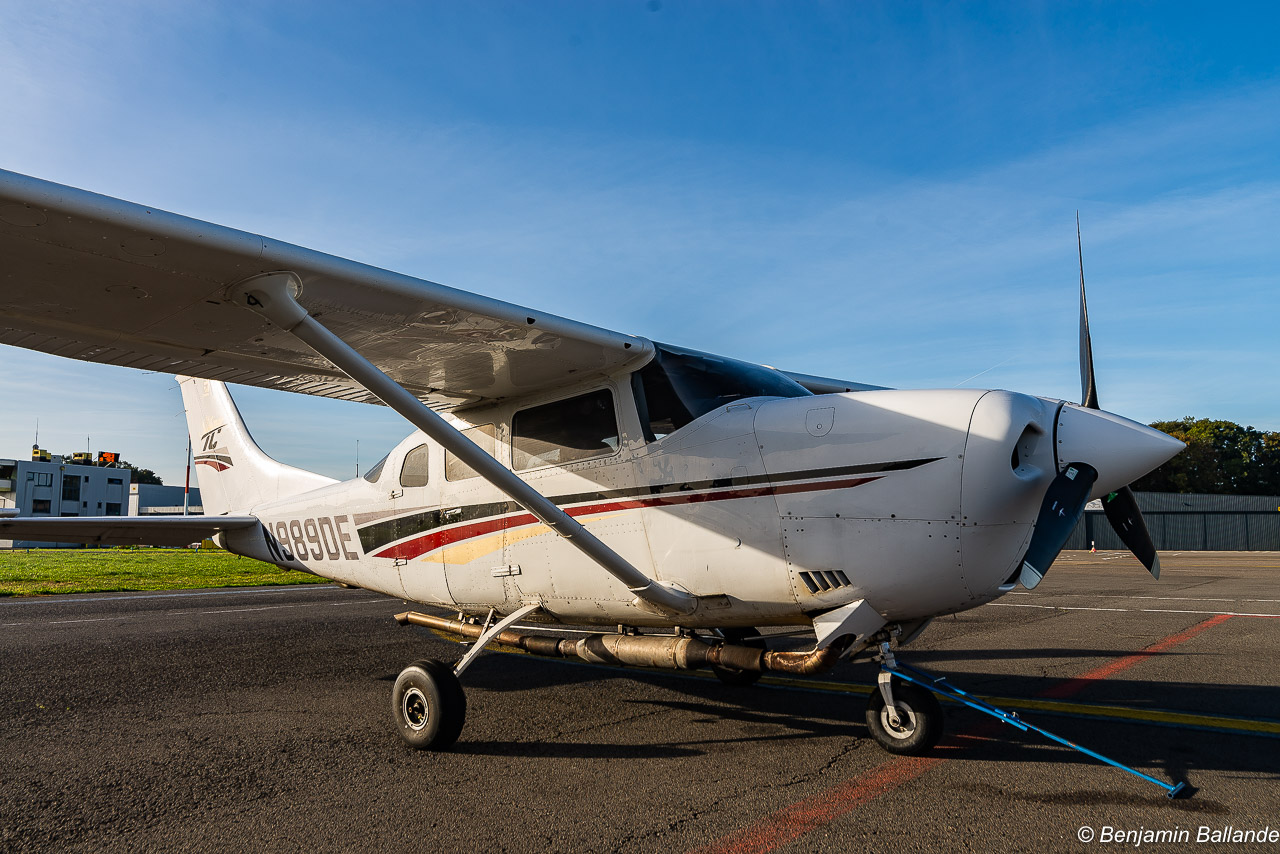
[1061,509]
[1065,500]
[1120,506]
[1088,391]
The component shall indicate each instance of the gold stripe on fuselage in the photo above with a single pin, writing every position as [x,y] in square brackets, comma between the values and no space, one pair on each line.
[478,547]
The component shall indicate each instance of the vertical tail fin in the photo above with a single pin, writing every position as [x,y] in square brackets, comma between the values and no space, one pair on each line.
[233,472]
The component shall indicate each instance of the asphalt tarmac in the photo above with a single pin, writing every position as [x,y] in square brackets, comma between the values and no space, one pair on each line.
[259,719]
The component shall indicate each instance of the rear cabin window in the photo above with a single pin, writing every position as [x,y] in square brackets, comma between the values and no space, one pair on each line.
[564,431]
[414,471]
[678,386]
[483,435]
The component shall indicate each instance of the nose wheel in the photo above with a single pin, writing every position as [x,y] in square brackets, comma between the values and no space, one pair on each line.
[914,724]
[428,705]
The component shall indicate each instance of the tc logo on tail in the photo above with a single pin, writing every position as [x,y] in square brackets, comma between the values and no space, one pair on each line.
[209,455]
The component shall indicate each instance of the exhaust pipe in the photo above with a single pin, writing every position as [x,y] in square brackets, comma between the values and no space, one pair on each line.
[657,651]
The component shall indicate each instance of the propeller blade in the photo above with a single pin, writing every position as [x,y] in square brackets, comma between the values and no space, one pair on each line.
[1121,507]
[1088,390]
[1122,512]
[1061,509]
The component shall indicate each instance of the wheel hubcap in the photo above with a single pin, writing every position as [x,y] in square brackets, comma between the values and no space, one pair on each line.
[906,717]
[414,707]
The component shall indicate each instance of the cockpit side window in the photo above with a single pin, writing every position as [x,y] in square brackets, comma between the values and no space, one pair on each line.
[564,431]
[483,435]
[679,385]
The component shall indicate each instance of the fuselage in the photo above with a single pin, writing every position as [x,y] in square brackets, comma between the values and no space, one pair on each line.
[771,508]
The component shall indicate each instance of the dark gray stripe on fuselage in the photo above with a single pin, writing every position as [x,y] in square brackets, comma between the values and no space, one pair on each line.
[377,535]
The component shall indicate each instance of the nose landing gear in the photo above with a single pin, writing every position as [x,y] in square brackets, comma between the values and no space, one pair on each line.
[909,724]
[902,721]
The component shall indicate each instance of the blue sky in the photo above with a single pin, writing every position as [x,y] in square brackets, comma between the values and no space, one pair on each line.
[879,191]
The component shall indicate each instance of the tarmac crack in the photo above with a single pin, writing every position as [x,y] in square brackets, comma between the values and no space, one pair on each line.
[840,754]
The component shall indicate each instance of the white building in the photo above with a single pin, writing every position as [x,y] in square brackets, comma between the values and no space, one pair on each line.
[152,499]
[60,487]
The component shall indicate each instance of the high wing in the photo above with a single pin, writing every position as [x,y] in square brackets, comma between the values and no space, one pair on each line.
[96,278]
[120,530]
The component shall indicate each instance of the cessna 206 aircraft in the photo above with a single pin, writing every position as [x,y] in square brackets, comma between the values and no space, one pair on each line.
[560,473]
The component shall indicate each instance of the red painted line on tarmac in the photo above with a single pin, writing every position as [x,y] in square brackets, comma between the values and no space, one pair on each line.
[792,822]
[1074,686]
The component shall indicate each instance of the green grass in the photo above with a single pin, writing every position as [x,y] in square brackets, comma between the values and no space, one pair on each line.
[40,571]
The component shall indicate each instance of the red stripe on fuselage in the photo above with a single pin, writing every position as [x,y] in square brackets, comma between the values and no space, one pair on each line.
[429,542]
[217,466]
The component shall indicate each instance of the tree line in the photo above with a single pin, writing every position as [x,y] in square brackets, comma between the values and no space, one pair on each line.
[1221,458]
[141,475]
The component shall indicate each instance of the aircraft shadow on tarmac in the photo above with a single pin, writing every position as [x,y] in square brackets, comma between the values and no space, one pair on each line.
[1174,752]
[572,750]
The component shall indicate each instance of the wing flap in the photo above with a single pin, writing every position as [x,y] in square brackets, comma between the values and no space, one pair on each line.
[120,530]
[100,279]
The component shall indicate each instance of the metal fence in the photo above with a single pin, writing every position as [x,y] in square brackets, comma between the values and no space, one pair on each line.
[1192,523]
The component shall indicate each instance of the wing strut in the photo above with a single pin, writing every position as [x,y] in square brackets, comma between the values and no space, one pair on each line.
[272,295]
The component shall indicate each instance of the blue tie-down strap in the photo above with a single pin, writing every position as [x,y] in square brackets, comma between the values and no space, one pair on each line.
[943,688]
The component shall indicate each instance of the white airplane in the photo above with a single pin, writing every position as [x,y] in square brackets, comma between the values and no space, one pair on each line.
[565,474]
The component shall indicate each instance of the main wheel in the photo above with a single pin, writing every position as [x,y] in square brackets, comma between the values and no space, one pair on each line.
[428,705]
[732,676]
[919,718]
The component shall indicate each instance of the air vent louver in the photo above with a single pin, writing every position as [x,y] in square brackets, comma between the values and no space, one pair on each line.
[821,582]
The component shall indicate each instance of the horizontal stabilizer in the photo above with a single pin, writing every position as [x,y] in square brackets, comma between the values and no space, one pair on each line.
[120,530]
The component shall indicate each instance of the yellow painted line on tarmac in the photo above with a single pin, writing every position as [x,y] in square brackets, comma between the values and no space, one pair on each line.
[1157,716]
[1186,720]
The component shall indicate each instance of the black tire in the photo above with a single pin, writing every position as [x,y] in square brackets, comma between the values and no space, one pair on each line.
[919,713]
[428,705]
[731,676]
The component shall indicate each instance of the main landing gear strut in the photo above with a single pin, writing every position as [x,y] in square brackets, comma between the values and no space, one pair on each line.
[427,701]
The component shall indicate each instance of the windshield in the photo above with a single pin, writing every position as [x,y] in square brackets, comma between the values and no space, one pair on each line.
[374,473]
[681,385]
